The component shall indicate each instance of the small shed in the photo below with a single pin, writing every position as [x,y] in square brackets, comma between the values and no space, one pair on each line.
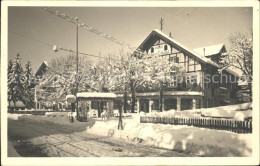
[86,98]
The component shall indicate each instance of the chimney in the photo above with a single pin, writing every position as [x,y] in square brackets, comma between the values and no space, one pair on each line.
[170,35]
[204,50]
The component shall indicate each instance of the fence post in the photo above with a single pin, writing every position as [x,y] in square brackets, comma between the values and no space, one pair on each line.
[243,126]
[247,127]
[250,124]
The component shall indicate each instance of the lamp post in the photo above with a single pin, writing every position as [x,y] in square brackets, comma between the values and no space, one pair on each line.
[77,59]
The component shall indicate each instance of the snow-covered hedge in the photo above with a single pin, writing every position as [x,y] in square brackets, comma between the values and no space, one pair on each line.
[188,139]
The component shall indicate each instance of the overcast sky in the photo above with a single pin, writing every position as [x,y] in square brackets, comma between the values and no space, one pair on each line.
[33,31]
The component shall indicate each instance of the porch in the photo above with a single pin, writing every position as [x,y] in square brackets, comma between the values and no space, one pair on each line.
[177,100]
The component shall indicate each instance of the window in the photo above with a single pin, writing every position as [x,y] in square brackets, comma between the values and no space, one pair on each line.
[174,59]
[173,82]
[192,79]
[181,57]
[152,50]
[165,47]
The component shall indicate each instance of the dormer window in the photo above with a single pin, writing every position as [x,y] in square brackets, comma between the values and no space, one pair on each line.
[165,47]
[152,50]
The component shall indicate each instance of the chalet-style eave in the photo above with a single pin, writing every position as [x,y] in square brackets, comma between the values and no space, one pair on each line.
[156,34]
[211,50]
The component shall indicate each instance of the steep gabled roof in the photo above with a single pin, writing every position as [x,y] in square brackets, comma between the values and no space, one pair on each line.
[211,50]
[157,34]
[42,69]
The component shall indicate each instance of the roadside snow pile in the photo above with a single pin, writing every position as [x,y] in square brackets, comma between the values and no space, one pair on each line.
[188,139]
[231,111]
[238,112]
[174,113]
[14,116]
[54,114]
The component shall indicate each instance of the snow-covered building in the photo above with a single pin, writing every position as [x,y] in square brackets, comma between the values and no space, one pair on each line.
[39,103]
[39,74]
[195,91]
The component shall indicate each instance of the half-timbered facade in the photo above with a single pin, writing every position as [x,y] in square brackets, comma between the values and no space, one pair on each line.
[203,85]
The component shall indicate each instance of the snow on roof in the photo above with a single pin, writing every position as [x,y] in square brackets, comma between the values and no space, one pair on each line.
[96,95]
[171,93]
[46,63]
[231,71]
[202,58]
[70,96]
[210,50]
[242,83]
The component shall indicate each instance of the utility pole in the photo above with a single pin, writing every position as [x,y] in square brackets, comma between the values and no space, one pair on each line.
[77,65]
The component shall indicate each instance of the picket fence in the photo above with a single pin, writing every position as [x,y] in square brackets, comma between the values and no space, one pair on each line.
[217,124]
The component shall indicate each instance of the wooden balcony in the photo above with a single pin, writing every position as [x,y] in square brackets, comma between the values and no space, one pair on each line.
[221,91]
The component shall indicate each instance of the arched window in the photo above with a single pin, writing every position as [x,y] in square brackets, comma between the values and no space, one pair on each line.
[165,47]
[152,50]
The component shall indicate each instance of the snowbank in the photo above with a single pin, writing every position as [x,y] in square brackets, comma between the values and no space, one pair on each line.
[231,111]
[14,116]
[174,113]
[53,114]
[237,112]
[188,139]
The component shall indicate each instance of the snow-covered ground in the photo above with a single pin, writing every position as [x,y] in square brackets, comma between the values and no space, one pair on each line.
[188,139]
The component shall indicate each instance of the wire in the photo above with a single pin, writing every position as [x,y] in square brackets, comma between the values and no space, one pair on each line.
[50,45]
[36,40]
[96,56]
[91,29]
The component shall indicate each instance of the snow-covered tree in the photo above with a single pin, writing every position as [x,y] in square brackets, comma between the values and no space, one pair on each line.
[118,83]
[160,73]
[240,55]
[10,83]
[61,78]
[16,80]
[28,86]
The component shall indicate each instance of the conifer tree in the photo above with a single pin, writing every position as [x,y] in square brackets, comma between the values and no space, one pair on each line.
[28,85]
[10,83]
[15,78]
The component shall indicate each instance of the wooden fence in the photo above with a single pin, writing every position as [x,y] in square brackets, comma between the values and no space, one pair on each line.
[218,124]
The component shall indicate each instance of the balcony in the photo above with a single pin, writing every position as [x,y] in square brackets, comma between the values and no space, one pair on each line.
[221,91]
